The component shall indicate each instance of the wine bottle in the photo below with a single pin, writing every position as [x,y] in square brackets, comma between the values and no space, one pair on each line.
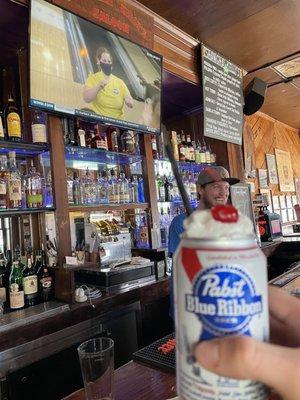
[30,284]
[39,127]
[16,292]
[13,121]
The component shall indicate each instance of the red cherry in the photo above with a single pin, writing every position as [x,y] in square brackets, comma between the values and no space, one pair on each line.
[225,213]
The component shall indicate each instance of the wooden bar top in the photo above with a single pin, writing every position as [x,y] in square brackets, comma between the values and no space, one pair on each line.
[135,381]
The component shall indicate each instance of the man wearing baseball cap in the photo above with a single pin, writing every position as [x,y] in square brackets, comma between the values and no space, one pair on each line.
[213,188]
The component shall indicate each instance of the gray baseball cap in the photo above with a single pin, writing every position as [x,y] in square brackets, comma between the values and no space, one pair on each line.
[215,173]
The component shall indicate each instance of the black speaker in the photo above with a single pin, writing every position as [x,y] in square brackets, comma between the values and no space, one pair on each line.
[254,96]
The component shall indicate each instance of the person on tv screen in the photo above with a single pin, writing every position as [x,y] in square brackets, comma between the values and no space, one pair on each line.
[106,93]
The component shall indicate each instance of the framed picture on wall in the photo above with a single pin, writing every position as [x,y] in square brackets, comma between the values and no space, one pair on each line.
[272,170]
[262,178]
[285,171]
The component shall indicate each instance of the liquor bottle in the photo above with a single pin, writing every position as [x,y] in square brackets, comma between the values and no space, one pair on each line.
[127,141]
[13,121]
[112,135]
[123,188]
[174,143]
[190,149]
[203,154]
[38,262]
[167,185]
[16,292]
[3,274]
[2,131]
[154,146]
[76,188]
[34,195]
[142,233]
[163,229]
[207,153]
[88,138]
[102,187]
[197,153]
[30,284]
[3,182]
[39,127]
[14,183]
[89,189]
[184,144]
[48,192]
[80,134]
[160,188]
[99,140]
[141,193]
[181,149]
[134,193]
[69,180]
[113,188]
[71,130]
[45,281]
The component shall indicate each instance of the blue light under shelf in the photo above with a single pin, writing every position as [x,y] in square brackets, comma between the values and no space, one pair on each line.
[186,166]
[23,149]
[100,156]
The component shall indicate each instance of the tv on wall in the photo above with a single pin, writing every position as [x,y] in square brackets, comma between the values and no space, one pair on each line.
[82,69]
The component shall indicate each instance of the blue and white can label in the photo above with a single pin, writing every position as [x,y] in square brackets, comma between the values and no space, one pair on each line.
[219,291]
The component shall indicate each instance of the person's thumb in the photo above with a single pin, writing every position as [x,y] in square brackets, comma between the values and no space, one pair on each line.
[245,358]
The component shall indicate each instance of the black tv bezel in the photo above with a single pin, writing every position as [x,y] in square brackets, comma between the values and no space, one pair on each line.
[94,117]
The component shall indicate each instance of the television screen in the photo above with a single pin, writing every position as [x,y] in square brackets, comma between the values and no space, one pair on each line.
[80,68]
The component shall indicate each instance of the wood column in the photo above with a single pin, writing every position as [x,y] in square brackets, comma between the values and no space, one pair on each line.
[149,179]
[60,193]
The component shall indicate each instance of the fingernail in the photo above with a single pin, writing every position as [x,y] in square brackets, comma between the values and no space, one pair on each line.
[207,353]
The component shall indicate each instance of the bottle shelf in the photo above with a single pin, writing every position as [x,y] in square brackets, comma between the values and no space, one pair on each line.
[23,148]
[108,207]
[17,211]
[100,156]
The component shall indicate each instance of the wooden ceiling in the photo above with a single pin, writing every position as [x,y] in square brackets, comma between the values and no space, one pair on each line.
[253,34]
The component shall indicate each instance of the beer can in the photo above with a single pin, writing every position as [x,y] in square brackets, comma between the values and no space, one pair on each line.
[220,289]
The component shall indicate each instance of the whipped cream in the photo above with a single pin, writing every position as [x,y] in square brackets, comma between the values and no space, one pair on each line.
[201,224]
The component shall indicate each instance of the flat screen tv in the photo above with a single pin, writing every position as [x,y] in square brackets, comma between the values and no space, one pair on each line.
[82,69]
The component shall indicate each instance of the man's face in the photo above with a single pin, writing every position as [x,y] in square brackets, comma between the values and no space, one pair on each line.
[214,193]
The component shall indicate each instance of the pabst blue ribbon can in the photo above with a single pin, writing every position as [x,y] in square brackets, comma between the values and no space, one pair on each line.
[220,289]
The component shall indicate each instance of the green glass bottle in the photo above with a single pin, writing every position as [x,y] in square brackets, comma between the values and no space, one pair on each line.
[16,292]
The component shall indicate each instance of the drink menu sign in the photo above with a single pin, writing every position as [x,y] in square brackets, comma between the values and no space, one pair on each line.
[222,97]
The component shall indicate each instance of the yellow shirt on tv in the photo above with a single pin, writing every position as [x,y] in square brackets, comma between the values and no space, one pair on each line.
[110,100]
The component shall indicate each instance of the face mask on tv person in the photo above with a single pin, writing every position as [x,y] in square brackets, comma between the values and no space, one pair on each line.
[106,93]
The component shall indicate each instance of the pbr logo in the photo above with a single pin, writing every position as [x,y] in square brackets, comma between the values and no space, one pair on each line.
[225,300]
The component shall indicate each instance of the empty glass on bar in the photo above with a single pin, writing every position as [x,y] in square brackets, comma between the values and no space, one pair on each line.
[97,366]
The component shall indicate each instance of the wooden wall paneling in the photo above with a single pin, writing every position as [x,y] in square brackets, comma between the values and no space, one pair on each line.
[268,135]
[236,161]
[60,188]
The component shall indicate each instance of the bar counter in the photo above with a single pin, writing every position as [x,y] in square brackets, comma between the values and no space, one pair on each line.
[135,381]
